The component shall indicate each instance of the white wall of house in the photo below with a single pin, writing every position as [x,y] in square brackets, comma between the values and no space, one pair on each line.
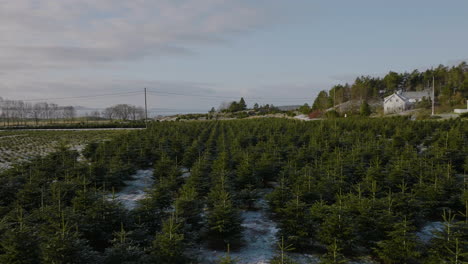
[461,111]
[394,104]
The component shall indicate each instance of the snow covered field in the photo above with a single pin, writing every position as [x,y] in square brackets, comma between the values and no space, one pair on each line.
[19,146]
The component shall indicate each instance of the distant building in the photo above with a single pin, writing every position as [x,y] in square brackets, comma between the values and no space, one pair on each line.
[402,101]
[288,107]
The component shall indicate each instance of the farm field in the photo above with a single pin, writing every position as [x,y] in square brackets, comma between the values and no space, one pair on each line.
[356,190]
[18,145]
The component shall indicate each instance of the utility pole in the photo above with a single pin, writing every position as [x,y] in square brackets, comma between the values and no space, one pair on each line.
[334,98]
[146,111]
[433,94]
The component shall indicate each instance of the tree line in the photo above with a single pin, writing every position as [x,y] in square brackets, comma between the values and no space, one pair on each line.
[122,112]
[18,112]
[451,86]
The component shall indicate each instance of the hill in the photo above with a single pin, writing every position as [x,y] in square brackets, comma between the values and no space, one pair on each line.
[451,87]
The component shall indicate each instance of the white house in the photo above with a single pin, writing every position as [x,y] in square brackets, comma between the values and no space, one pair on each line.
[402,101]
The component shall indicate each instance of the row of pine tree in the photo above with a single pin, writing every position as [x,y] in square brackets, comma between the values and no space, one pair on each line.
[341,189]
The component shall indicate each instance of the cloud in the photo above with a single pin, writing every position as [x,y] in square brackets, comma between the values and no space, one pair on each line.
[67,34]
[69,87]
[67,48]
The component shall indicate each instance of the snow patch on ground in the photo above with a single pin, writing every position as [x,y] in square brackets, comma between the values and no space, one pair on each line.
[135,189]
[259,236]
[79,148]
[421,148]
[428,231]
[185,173]
[302,117]
[260,242]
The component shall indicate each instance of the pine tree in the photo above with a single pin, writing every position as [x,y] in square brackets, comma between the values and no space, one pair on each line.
[19,246]
[401,246]
[224,220]
[227,259]
[164,167]
[199,178]
[245,175]
[153,209]
[242,104]
[168,246]
[189,208]
[333,255]
[295,224]
[447,246]
[62,244]
[279,196]
[191,154]
[124,250]
[281,255]
[365,109]
[338,226]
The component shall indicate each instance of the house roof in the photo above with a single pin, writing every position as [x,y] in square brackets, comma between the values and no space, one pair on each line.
[406,96]
[404,99]
[417,95]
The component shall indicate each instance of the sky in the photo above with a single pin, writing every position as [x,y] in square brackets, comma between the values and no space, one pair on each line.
[195,54]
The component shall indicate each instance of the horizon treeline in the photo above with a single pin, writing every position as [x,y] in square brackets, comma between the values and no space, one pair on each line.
[451,86]
[19,112]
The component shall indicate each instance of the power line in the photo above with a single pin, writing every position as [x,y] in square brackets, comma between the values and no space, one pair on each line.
[152,92]
[225,97]
[83,96]
[165,93]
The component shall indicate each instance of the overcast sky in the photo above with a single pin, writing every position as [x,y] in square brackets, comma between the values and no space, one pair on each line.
[269,51]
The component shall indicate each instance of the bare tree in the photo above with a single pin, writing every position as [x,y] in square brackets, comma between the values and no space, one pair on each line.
[108,113]
[24,111]
[124,112]
[37,112]
[69,112]
[19,112]
[55,112]
[95,114]
[137,113]
[8,110]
